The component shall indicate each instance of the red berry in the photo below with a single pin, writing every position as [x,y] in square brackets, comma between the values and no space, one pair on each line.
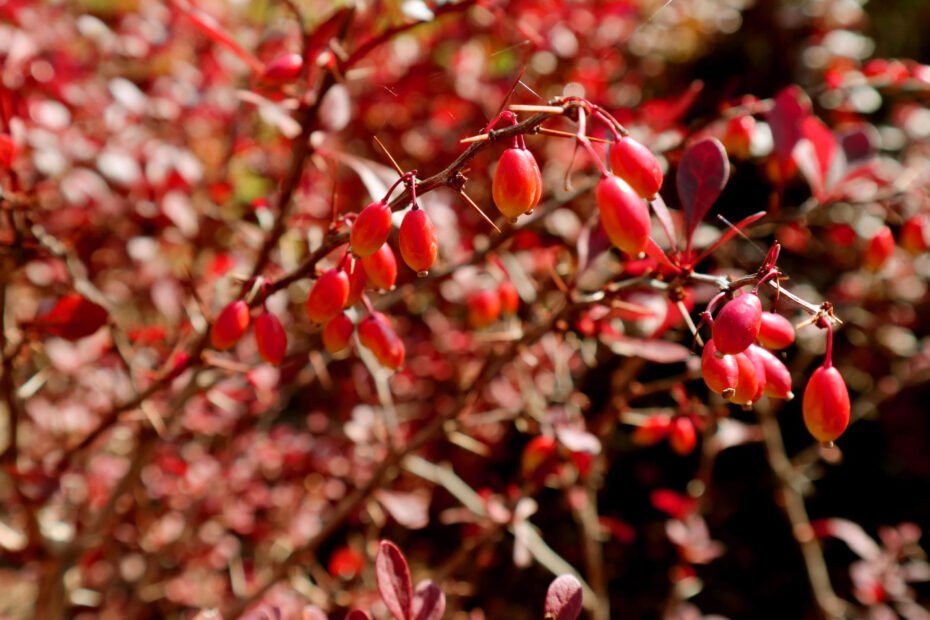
[381,268]
[337,333]
[484,308]
[915,234]
[376,335]
[371,229]
[747,384]
[358,280]
[777,376]
[230,325]
[775,331]
[826,404]
[417,240]
[737,324]
[682,436]
[510,299]
[653,430]
[738,135]
[517,184]
[270,338]
[73,317]
[879,249]
[285,68]
[328,296]
[637,165]
[346,563]
[720,373]
[624,215]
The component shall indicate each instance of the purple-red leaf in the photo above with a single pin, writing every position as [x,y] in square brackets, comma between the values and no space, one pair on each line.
[564,599]
[213,30]
[394,584]
[790,108]
[358,614]
[729,233]
[702,175]
[429,602]
[825,145]
[657,254]
[665,219]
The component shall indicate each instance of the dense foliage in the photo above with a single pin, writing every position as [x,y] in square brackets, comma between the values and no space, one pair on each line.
[613,305]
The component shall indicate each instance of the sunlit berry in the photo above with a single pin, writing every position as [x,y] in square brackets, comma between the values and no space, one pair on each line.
[381,268]
[328,296]
[653,430]
[737,324]
[417,241]
[370,229]
[775,331]
[270,338]
[624,215]
[230,325]
[517,183]
[737,137]
[377,335]
[637,165]
[826,404]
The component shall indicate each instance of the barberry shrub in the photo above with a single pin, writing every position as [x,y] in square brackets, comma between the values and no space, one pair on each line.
[488,278]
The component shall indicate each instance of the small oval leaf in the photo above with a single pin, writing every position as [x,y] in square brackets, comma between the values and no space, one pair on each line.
[429,602]
[394,584]
[564,599]
[702,175]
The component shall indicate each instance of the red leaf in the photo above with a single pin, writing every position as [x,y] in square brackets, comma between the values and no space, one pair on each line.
[729,233]
[665,219]
[73,317]
[214,31]
[702,175]
[657,254]
[564,599]
[660,114]
[825,145]
[394,582]
[791,107]
[429,602]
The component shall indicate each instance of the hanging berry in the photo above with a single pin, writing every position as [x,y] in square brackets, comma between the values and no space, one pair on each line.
[721,374]
[517,183]
[328,296]
[417,240]
[637,165]
[370,229]
[737,324]
[777,376]
[283,69]
[682,435]
[510,299]
[915,234]
[358,280]
[826,399]
[775,331]
[747,383]
[484,308]
[381,268]
[270,338]
[624,215]
[337,333]
[376,334]
[230,325]
[878,250]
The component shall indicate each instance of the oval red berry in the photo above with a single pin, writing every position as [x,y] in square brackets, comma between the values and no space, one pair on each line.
[624,215]
[381,268]
[328,296]
[826,404]
[230,325]
[371,229]
[517,183]
[637,165]
[737,324]
[417,241]
[270,338]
